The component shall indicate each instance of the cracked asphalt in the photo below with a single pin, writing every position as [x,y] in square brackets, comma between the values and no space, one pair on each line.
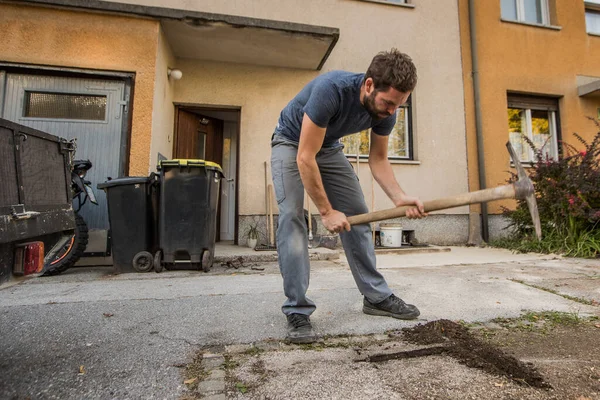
[90,334]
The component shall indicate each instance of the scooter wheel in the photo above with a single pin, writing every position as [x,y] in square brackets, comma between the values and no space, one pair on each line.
[158,266]
[143,261]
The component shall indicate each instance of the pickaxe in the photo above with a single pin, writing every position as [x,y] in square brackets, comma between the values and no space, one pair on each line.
[521,189]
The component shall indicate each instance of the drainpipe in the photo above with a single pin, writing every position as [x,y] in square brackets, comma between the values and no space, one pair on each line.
[478,125]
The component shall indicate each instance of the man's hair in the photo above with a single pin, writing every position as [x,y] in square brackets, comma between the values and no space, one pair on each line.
[392,69]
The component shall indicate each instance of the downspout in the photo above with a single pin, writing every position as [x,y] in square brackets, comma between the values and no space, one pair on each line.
[478,124]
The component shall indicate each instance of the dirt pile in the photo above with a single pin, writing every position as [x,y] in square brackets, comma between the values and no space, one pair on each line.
[460,344]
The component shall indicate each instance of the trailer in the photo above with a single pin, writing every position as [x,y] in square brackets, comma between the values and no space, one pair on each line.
[36,212]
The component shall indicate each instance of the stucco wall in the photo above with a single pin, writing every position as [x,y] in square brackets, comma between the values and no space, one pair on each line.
[517,57]
[53,37]
[259,92]
[163,110]
[366,28]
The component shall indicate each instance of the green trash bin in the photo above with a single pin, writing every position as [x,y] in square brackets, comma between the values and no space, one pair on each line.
[189,198]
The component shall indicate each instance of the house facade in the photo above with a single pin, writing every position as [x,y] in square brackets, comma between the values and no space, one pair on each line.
[537,66]
[179,79]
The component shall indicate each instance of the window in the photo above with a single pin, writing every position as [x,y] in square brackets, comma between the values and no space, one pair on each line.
[531,11]
[400,140]
[401,3]
[64,106]
[592,20]
[534,118]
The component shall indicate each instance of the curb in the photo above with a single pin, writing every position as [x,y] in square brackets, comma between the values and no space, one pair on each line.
[213,387]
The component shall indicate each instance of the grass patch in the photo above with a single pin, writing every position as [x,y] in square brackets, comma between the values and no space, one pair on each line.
[585,245]
[469,325]
[543,321]
[194,372]
[311,346]
[566,296]
[335,344]
[229,363]
[254,351]
[554,318]
[241,387]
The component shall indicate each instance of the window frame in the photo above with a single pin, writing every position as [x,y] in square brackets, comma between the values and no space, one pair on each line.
[591,8]
[520,8]
[399,3]
[527,103]
[409,137]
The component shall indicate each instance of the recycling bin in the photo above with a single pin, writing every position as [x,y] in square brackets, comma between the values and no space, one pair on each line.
[133,213]
[187,223]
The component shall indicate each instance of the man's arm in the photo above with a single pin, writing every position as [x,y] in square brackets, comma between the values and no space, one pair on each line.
[384,175]
[311,140]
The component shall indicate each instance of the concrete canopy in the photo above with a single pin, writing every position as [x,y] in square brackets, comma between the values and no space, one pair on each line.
[591,89]
[227,38]
[267,43]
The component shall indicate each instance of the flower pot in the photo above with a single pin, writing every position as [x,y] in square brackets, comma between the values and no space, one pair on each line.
[251,242]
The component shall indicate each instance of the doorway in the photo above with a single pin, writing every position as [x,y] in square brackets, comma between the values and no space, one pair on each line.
[211,134]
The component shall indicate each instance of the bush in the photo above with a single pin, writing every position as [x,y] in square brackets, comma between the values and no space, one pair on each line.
[568,197]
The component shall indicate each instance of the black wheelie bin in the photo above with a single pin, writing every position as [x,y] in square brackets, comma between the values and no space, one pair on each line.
[132,213]
[189,198]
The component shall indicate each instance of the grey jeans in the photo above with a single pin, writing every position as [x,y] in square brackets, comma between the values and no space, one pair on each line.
[345,194]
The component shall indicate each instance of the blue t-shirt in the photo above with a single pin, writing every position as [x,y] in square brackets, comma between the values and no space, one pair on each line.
[331,101]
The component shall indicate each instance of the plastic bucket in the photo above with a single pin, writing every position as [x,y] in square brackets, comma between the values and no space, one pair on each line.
[390,235]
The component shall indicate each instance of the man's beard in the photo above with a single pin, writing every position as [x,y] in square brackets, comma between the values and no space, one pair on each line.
[369,105]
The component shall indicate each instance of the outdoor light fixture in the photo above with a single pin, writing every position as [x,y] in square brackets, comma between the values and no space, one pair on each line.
[176,74]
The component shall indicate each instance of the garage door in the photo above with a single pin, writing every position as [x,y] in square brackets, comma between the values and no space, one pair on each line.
[91,110]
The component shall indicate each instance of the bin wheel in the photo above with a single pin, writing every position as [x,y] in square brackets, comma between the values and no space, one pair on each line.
[143,261]
[158,267]
[207,260]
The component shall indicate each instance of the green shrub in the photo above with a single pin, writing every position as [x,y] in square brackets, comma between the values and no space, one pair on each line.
[568,197]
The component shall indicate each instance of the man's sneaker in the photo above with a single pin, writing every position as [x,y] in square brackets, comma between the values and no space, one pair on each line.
[299,329]
[391,307]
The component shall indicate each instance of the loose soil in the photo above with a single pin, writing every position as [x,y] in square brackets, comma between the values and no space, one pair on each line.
[460,344]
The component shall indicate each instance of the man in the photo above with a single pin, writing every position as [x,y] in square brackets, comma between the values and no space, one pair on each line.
[307,154]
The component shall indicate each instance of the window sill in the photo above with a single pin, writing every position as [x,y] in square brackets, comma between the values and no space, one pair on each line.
[365,160]
[551,27]
[405,162]
[524,164]
[391,3]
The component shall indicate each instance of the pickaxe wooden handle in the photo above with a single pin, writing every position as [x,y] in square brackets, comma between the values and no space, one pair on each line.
[521,189]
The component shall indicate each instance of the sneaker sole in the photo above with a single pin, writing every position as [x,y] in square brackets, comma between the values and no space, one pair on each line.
[381,313]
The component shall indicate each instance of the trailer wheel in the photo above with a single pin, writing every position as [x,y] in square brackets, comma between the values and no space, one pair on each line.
[71,252]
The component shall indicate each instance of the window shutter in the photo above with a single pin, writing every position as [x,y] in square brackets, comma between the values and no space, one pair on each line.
[532,102]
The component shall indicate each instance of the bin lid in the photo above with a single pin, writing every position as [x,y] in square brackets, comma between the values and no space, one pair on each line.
[190,164]
[128,180]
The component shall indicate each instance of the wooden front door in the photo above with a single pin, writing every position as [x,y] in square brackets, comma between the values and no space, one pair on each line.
[199,138]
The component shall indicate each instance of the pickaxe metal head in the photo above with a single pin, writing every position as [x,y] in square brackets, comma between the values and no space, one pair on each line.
[524,190]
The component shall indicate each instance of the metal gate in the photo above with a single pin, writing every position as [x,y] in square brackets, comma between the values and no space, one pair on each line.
[90,110]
